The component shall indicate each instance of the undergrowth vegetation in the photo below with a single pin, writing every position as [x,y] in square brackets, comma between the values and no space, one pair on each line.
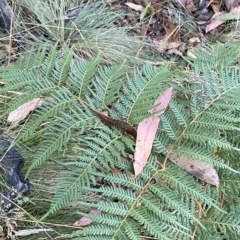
[164,202]
[76,163]
[94,30]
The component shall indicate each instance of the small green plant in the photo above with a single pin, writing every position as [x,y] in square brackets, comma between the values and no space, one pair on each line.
[163,202]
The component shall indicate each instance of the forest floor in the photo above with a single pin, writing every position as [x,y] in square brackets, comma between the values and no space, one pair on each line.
[172,29]
[153,31]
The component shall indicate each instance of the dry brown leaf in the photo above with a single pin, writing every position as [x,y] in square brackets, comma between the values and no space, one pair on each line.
[144,30]
[201,170]
[22,111]
[85,221]
[156,8]
[146,131]
[124,126]
[163,45]
[135,7]
[190,6]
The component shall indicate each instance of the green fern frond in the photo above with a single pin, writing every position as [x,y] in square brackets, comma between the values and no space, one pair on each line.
[200,135]
[179,182]
[106,86]
[180,115]
[171,126]
[49,61]
[220,124]
[81,76]
[102,150]
[61,70]
[13,82]
[139,207]
[163,202]
[51,107]
[60,131]
[139,93]
[32,61]
[215,56]
[223,223]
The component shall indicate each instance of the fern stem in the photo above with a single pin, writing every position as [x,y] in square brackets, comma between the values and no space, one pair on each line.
[136,201]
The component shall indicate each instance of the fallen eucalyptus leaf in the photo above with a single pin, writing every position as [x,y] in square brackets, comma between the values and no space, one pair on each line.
[201,170]
[146,131]
[22,111]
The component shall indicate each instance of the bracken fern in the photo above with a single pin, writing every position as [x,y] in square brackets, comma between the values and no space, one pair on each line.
[163,202]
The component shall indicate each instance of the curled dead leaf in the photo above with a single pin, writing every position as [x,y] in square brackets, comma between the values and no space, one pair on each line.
[124,126]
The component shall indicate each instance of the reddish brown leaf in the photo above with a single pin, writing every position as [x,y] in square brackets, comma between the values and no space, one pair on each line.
[22,111]
[146,131]
[85,221]
[201,170]
[124,126]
